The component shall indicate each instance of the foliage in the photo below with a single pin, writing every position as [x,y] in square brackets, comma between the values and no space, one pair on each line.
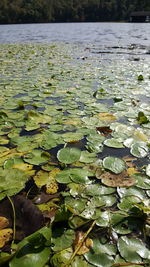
[74,170]
[21,11]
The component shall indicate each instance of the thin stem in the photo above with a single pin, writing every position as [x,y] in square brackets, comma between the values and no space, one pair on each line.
[14,217]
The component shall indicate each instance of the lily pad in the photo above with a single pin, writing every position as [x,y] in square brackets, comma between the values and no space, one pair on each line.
[68,155]
[113,143]
[139,150]
[113,164]
[37,157]
[132,249]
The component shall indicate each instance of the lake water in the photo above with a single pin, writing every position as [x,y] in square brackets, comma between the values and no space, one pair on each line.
[118,38]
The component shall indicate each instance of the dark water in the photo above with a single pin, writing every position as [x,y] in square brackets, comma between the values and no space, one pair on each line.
[120,37]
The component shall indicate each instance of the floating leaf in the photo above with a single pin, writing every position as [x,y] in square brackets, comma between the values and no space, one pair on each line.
[132,249]
[106,116]
[68,155]
[5,236]
[113,143]
[101,255]
[3,222]
[37,157]
[34,250]
[113,164]
[104,219]
[139,150]
[87,157]
[63,240]
[79,176]
[142,119]
[148,170]
[115,180]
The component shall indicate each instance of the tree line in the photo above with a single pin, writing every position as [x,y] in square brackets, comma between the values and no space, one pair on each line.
[33,11]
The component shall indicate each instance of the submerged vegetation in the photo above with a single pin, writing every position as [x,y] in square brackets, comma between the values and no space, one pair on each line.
[74,158]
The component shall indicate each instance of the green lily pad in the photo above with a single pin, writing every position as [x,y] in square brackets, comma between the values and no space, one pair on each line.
[139,150]
[113,143]
[63,240]
[68,155]
[12,181]
[32,253]
[37,157]
[113,164]
[87,157]
[101,255]
[132,249]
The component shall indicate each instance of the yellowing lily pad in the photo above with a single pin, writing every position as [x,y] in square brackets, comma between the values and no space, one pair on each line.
[104,116]
[5,236]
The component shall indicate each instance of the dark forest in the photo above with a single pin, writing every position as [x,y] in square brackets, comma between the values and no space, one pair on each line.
[39,11]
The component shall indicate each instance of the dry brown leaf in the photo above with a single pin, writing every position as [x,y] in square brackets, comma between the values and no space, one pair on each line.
[5,236]
[117,180]
[85,246]
[129,161]
[3,222]
[104,130]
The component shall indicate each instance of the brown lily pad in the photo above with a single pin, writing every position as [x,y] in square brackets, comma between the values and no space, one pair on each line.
[117,180]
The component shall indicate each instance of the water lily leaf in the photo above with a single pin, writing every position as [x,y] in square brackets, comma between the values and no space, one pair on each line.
[110,200]
[104,219]
[61,258]
[64,177]
[51,140]
[63,240]
[113,164]
[87,157]
[139,150]
[5,236]
[75,205]
[26,146]
[97,190]
[11,182]
[142,181]
[68,155]
[51,185]
[119,222]
[4,140]
[36,118]
[104,116]
[10,162]
[27,168]
[79,176]
[128,202]
[100,259]
[37,157]
[115,180]
[72,137]
[31,252]
[148,170]
[132,249]
[113,143]
[142,119]
[101,255]
[3,222]
[133,191]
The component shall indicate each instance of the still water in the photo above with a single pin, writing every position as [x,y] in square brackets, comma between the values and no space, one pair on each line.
[105,34]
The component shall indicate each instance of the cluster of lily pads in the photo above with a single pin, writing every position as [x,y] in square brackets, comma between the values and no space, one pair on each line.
[77,125]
